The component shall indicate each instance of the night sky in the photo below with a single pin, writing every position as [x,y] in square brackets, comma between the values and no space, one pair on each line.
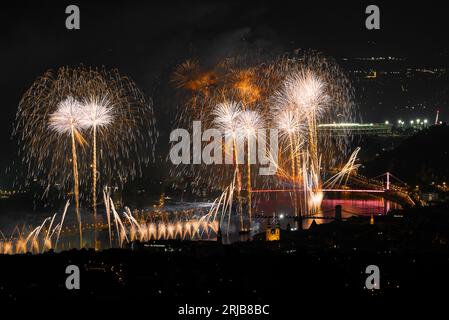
[145,40]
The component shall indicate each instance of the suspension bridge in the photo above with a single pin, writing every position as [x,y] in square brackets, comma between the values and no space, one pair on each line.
[385,184]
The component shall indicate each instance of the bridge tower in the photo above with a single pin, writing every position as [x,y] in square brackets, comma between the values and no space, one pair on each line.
[388,180]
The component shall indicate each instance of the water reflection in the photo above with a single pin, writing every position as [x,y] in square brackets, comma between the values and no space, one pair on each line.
[183,220]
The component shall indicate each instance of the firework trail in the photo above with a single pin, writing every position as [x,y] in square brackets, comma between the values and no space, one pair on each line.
[306,93]
[65,120]
[62,223]
[303,94]
[96,113]
[226,119]
[249,122]
[107,204]
[291,127]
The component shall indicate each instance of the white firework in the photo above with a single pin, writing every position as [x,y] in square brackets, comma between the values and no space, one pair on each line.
[248,122]
[66,117]
[303,92]
[96,112]
[288,123]
[226,115]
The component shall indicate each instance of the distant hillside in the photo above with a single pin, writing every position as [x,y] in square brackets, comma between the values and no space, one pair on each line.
[420,159]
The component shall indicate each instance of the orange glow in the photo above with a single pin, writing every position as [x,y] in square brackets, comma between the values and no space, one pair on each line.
[246,86]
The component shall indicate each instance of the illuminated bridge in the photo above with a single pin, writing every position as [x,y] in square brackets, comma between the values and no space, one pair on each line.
[380,184]
[338,129]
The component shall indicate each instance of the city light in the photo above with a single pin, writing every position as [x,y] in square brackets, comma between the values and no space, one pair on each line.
[416,124]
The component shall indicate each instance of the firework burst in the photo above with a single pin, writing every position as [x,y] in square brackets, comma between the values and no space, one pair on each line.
[293,93]
[110,107]
[226,115]
[305,92]
[96,112]
[288,123]
[66,118]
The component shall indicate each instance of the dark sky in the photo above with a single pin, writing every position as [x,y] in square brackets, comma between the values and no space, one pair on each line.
[146,39]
